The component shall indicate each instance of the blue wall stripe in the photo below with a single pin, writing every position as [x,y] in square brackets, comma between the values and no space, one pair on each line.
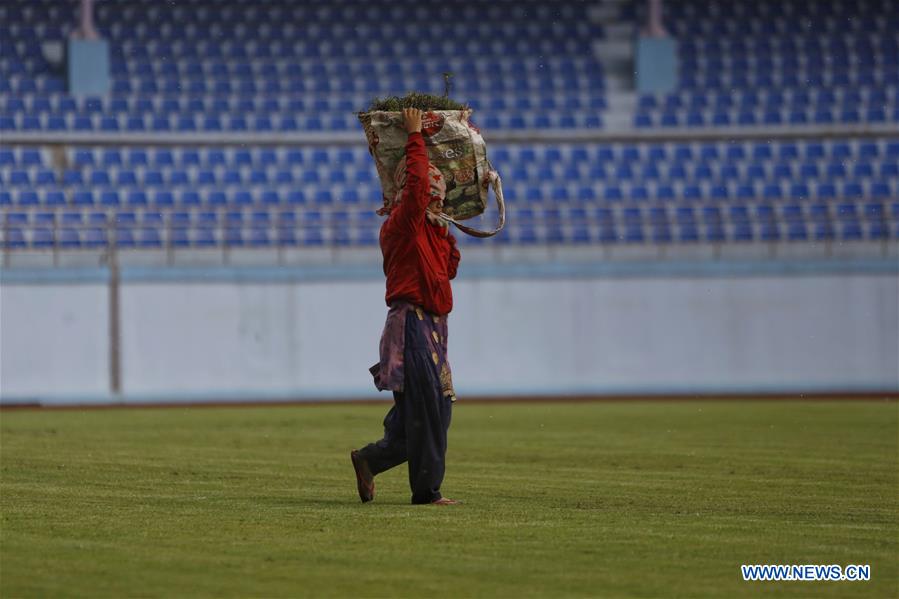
[473,271]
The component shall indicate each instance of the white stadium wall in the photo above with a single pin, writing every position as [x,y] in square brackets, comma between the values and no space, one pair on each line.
[54,340]
[204,341]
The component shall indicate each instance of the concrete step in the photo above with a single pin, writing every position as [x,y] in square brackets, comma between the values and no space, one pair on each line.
[614,50]
[607,11]
[617,122]
[620,82]
[621,101]
[620,31]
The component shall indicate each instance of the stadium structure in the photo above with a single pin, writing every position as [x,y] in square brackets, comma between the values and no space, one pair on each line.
[218,141]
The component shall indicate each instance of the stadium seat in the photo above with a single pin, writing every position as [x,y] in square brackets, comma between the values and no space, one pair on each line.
[83,197]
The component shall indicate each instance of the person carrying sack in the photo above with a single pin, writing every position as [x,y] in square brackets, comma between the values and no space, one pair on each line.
[420,259]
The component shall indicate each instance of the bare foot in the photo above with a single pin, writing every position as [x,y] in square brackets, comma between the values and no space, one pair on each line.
[446,501]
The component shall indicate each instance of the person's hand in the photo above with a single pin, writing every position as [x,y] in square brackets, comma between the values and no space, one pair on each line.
[412,120]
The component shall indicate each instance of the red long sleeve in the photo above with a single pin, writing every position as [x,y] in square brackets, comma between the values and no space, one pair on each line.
[454,256]
[419,258]
[415,194]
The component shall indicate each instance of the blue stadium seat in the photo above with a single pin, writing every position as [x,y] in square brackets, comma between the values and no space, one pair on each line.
[696,118]
[711,215]
[841,151]
[783,170]
[136,198]
[42,237]
[853,189]
[823,231]
[889,169]
[241,198]
[661,233]
[847,211]
[875,115]
[581,233]
[608,233]
[188,198]
[878,231]
[735,152]
[68,238]
[17,219]
[100,178]
[69,177]
[634,234]
[639,193]
[688,232]
[178,178]
[612,194]
[53,197]
[851,230]
[721,118]
[809,170]
[47,219]
[126,178]
[124,237]
[772,191]
[148,237]
[15,238]
[799,190]
[605,216]
[259,237]
[586,194]
[814,151]
[27,197]
[84,157]
[827,191]
[666,193]
[692,192]
[769,231]
[863,170]
[153,178]
[835,170]
[206,177]
[295,197]
[163,199]
[874,210]
[714,232]
[796,231]
[83,197]
[217,198]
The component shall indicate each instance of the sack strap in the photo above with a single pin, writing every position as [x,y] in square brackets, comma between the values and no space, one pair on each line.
[493,180]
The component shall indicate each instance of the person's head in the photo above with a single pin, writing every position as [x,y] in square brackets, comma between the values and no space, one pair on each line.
[436,204]
[436,187]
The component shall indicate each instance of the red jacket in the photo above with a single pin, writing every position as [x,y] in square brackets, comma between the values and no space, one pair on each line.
[419,258]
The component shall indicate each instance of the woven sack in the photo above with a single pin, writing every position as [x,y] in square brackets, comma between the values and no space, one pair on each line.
[455,146]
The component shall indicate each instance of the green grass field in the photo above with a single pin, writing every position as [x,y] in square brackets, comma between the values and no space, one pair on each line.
[647,499]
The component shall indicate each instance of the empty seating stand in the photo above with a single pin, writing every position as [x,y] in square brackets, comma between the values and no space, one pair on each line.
[204,67]
[199,67]
[841,190]
[790,63]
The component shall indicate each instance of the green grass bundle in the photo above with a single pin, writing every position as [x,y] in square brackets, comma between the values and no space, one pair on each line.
[415,100]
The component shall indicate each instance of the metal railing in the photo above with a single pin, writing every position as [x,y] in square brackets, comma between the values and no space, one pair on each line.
[355,138]
[280,234]
[169,235]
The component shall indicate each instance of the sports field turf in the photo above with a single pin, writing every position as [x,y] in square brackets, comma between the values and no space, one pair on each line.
[645,499]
